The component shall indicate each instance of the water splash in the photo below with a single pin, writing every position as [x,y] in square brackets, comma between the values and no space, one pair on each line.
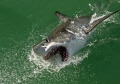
[55,65]
[99,6]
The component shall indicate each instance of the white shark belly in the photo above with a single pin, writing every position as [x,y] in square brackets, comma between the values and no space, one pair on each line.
[75,45]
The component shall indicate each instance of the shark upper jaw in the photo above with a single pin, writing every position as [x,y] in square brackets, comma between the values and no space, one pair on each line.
[61,50]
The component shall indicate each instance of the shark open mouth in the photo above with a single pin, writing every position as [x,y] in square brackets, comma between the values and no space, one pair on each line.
[60,50]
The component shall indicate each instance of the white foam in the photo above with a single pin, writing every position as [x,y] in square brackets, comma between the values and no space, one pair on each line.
[54,64]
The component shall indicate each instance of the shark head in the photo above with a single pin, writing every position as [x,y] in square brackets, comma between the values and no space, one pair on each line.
[56,43]
[48,49]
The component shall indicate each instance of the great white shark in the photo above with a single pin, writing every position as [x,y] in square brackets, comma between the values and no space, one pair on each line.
[69,37]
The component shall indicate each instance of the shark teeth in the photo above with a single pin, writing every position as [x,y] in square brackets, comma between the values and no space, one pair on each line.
[60,50]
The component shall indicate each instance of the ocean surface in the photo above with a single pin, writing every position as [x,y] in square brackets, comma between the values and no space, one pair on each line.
[24,23]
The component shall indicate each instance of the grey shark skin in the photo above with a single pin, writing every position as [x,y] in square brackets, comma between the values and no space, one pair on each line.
[69,37]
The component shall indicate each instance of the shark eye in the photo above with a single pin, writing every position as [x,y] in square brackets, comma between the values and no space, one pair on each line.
[47,40]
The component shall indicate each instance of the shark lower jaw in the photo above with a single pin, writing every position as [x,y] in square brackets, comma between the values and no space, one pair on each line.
[58,50]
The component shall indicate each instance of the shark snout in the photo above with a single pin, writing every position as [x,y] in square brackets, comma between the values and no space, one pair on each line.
[39,50]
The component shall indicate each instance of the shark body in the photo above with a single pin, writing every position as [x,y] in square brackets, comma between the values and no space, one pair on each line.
[69,37]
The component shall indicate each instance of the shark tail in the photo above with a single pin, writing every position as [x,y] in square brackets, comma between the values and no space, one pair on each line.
[96,22]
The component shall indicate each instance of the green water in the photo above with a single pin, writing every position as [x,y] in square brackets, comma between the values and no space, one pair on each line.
[23,23]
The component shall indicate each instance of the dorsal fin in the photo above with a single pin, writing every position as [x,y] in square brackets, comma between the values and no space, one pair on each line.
[62,17]
[96,22]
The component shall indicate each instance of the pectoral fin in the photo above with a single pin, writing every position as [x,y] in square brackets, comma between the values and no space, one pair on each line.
[96,22]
